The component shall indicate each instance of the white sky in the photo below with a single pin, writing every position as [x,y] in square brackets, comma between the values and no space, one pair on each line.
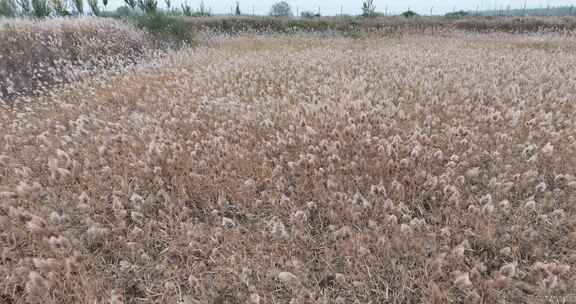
[333,7]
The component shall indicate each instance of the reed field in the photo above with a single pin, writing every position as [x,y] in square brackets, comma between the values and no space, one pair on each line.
[424,167]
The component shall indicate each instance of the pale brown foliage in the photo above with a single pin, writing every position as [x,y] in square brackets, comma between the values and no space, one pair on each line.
[420,169]
[36,55]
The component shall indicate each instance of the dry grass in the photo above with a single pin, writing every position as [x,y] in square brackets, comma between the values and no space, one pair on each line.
[36,55]
[419,170]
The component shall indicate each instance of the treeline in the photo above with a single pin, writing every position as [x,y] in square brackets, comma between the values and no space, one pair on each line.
[519,12]
[384,24]
[52,8]
[63,8]
[47,8]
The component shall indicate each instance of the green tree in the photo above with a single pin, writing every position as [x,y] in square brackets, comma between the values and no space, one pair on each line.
[105,3]
[79,5]
[409,14]
[25,8]
[202,11]
[94,7]
[309,14]
[8,8]
[60,7]
[40,8]
[368,8]
[186,9]
[238,12]
[125,11]
[148,6]
[281,9]
[131,3]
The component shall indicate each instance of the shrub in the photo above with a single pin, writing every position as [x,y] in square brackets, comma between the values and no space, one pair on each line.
[457,15]
[148,6]
[281,9]
[409,14]
[126,11]
[168,31]
[378,24]
[309,15]
[201,13]
[8,8]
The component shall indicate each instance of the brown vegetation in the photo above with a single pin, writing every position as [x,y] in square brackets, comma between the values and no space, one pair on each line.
[417,169]
[36,55]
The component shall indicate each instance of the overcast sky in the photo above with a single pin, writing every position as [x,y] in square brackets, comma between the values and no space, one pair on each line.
[332,7]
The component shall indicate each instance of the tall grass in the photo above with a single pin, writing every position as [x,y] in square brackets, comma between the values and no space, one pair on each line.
[39,54]
[299,169]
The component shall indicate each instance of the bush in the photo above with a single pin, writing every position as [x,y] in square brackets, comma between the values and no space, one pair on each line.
[126,11]
[457,15]
[380,24]
[409,14]
[309,15]
[167,31]
[8,8]
[281,9]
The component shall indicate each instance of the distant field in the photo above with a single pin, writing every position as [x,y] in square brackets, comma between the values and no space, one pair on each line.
[304,168]
[387,24]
